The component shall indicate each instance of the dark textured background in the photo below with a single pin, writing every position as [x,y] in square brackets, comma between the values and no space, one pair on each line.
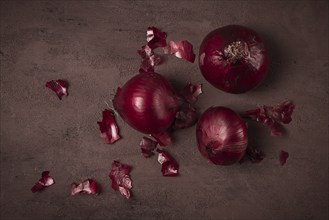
[93,44]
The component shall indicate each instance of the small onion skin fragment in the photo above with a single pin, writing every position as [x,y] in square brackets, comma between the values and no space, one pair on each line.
[155,38]
[149,59]
[147,146]
[272,116]
[147,102]
[108,127]
[191,92]
[43,182]
[186,117]
[88,186]
[120,177]
[283,157]
[221,136]
[169,166]
[59,87]
[162,138]
[180,49]
[233,58]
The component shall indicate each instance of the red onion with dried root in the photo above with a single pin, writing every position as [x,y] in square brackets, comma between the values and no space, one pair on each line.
[221,136]
[233,59]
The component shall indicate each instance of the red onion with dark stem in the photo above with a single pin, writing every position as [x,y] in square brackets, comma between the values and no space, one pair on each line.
[147,102]
[221,136]
[233,59]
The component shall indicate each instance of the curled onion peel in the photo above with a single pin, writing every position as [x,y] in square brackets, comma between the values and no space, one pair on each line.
[273,116]
[88,186]
[149,59]
[108,127]
[155,38]
[147,146]
[233,58]
[180,49]
[59,87]
[43,182]
[120,177]
[221,136]
[169,166]
[185,117]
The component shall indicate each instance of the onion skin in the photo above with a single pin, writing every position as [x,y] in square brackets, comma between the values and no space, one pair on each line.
[221,136]
[233,58]
[147,102]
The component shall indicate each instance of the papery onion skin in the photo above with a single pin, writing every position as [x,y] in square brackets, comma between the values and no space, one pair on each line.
[233,58]
[43,182]
[147,102]
[120,177]
[273,116]
[221,136]
[147,146]
[283,157]
[59,87]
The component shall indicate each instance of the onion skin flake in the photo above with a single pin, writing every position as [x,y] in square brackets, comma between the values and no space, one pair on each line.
[147,146]
[108,127]
[88,186]
[169,167]
[120,177]
[283,157]
[59,87]
[43,182]
[272,116]
[180,49]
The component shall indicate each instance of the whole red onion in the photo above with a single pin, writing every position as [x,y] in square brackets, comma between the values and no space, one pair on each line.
[147,102]
[221,136]
[233,59]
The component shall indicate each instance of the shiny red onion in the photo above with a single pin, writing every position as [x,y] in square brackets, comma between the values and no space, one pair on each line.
[233,59]
[147,102]
[221,136]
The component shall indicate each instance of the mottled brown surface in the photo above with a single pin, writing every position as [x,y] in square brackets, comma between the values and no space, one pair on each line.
[93,46]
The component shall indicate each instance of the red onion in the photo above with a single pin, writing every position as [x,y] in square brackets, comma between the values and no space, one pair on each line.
[221,135]
[233,59]
[147,102]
